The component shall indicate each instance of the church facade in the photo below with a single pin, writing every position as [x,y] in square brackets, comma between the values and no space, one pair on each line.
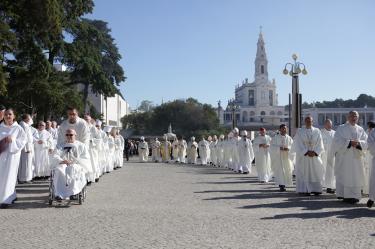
[256,103]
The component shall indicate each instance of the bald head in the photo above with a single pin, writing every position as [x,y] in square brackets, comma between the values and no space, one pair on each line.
[353,117]
[328,124]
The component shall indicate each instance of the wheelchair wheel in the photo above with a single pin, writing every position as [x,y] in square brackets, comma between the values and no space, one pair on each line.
[84,194]
[80,198]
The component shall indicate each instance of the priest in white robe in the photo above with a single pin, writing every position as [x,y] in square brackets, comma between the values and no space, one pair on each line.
[192,151]
[70,162]
[368,162]
[227,155]
[53,132]
[166,149]
[348,144]
[83,134]
[93,148]
[43,147]
[25,171]
[214,149]
[143,150]
[328,158]
[101,142]
[155,153]
[182,146]
[12,141]
[220,151]
[76,123]
[175,149]
[121,148]
[246,154]
[281,145]
[371,149]
[235,162]
[261,145]
[203,150]
[308,146]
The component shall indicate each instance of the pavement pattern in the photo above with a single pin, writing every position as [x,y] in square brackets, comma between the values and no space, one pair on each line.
[148,205]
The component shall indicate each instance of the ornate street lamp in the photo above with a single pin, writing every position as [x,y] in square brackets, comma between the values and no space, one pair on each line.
[295,69]
[233,107]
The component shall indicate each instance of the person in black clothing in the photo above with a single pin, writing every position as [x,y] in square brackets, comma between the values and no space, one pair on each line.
[127,149]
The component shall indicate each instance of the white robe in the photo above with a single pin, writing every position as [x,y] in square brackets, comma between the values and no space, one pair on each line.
[70,179]
[121,150]
[371,148]
[175,150]
[214,152]
[309,170]
[83,136]
[102,145]
[93,151]
[9,161]
[111,154]
[246,155]
[192,152]
[156,151]
[182,146]
[203,151]
[235,163]
[143,151]
[281,160]
[42,160]
[262,158]
[227,159]
[220,153]
[328,159]
[25,172]
[349,162]
[54,136]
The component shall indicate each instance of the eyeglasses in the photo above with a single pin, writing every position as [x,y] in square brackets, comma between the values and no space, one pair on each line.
[69,135]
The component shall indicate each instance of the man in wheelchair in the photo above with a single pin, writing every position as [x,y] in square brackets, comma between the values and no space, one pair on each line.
[70,164]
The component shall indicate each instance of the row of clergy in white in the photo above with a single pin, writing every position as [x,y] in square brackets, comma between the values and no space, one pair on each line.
[339,160]
[27,153]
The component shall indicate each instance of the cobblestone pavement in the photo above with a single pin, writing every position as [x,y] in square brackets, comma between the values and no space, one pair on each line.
[147,205]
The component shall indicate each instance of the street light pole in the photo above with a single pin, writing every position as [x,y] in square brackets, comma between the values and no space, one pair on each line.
[233,108]
[295,70]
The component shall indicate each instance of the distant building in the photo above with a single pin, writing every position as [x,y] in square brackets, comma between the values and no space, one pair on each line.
[257,101]
[111,108]
[338,115]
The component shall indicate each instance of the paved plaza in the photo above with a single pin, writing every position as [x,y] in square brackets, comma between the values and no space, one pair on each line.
[147,205]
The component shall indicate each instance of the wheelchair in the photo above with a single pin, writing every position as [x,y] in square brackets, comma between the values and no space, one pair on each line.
[80,197]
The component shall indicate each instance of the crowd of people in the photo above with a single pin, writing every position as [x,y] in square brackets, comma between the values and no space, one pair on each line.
[338,161]
[74,154]
[79,151]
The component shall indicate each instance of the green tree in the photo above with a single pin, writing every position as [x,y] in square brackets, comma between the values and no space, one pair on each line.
[93,59]
[188,118]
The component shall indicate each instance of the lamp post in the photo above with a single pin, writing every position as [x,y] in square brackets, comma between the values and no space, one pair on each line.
[233,107]
[295,69]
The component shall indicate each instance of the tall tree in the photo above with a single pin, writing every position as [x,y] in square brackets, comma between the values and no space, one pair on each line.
[93,58]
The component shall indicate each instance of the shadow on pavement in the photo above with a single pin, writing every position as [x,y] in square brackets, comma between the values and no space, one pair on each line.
[342,214]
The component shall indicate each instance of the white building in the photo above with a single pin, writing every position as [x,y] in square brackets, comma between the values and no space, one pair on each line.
[338,115]
[257,101]
[111,108]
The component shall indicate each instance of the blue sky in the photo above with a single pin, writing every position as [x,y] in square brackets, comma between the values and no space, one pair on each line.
[175,49]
